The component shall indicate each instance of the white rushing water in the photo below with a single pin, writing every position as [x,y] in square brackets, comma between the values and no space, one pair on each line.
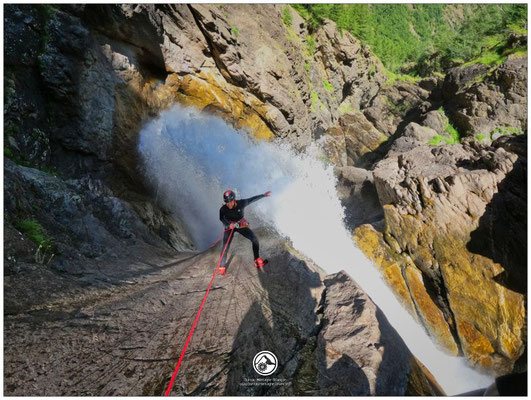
[192,158]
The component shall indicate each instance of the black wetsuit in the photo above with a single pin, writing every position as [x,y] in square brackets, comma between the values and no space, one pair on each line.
[228,216]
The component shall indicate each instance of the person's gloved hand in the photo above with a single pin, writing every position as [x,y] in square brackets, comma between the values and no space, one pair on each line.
[267,194]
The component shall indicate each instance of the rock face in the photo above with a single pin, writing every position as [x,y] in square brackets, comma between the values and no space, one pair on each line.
[120,331]
[436,249]
[86,218]
[484,101]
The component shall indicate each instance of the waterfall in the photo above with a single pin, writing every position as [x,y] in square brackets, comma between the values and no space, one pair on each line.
[191,158]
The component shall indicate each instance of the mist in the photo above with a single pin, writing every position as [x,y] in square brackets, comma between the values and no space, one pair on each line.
[190,159]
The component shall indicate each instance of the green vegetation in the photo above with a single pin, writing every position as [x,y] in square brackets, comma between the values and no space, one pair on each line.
[497,53]
[436,140]
[420,39]
[507,130]
[500,131]
[392,78]
[327,86]
[345,108]
[307,66]
[287,19]
[315,101]
[36,233]
[305,12]
[400,108]
[310,43]
[49,170]
[235,31]
[454,138]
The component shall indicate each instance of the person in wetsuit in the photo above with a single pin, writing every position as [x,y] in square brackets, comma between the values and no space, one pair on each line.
[231,215]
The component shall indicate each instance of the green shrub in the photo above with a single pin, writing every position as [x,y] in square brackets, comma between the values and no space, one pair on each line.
[455,136]
[310,43]
[392,78]
[235,31]
[287,19]
[327,86]
[436,140]
[507,130]
[36,233]
[315,101]
[307,66]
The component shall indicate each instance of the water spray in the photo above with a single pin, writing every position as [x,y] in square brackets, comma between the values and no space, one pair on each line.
[192,158]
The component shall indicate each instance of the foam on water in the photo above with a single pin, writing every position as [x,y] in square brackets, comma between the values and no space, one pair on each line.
[192,158]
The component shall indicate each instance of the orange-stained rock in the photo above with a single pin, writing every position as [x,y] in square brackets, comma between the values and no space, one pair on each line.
[475,345]
[432,316]
[432,207]
[230,102]
[374,247]
[411,291]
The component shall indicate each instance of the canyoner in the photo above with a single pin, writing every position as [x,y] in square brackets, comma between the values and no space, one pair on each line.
[231,215]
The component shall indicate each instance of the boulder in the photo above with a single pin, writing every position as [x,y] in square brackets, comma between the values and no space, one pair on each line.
[361,137]
[418,132]
[435,120]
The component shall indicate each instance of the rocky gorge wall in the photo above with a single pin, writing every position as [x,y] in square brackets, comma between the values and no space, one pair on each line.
[81,80]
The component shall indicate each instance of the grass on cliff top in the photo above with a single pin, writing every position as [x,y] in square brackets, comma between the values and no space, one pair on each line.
[36,233]
[497,53]
[392,78]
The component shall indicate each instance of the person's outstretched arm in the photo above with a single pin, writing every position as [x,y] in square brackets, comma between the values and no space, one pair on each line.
[246,202]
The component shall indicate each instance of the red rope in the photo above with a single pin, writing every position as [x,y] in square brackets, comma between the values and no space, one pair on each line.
[222,233]
[198,314]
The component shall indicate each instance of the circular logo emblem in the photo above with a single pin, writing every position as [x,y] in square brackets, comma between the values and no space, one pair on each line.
[265,363]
